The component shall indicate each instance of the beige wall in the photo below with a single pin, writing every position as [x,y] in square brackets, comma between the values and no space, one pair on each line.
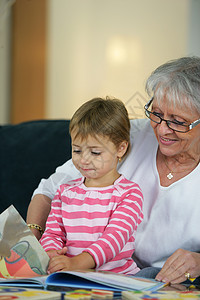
[105,47]
[109,47]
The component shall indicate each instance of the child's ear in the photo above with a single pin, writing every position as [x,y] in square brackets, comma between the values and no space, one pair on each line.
[122,149]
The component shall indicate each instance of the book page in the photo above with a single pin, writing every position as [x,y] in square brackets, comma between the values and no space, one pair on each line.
[21,255]
[115,281]
[121,281]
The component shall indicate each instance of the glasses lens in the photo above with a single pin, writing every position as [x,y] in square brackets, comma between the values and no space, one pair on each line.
[172,125]
[152,116]
[178,127]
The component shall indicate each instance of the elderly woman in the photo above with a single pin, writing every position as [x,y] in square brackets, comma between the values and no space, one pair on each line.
[164,161]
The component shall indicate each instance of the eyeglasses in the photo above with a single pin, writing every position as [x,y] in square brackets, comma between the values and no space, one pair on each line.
[174,125]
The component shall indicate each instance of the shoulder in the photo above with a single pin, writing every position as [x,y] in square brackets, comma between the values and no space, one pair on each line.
[141,132]
[126,186]
[72,184]
[139,124]
[139,129]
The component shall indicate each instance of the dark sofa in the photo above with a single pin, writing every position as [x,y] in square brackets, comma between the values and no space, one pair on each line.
[30,151]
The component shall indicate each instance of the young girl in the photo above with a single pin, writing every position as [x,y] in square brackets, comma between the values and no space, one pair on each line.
[93,219]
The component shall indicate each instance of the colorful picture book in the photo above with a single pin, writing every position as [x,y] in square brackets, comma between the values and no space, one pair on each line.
[21,255]
[23,262]
[87,279]
[81,294]
[9,293]
[156,295]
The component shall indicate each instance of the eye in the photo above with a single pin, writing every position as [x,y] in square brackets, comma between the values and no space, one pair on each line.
[178,122]
[157,114]
[96,153]
[77,151]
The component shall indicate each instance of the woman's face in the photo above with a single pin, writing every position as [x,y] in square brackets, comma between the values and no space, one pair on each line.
[172,142]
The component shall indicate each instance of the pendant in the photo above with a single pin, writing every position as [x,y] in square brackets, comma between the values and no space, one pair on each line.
[170,176]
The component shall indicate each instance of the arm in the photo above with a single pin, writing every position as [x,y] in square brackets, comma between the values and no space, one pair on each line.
[179,263]
[39,206]
[38,211]
[54,237]
[120,229]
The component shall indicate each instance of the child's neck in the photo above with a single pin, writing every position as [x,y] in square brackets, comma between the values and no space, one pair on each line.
[102,182]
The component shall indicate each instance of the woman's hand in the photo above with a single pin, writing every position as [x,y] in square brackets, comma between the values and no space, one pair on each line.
[178,264]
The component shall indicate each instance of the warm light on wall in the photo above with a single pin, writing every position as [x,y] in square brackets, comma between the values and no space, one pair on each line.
[123,50]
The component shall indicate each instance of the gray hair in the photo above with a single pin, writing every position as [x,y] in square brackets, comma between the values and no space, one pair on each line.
[178,80]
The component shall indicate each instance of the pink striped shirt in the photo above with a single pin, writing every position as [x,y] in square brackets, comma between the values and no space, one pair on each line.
[101,221]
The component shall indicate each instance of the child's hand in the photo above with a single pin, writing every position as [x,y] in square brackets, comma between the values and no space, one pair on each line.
[82,261]
[59,263]
[52,253]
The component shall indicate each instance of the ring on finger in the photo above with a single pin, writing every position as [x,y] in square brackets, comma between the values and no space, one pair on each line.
[187,275]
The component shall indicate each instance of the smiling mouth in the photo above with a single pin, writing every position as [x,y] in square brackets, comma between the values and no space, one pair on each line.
[167,140]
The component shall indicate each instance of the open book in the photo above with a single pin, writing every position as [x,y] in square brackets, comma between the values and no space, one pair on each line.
[21,255]
[23,262]
[87,280]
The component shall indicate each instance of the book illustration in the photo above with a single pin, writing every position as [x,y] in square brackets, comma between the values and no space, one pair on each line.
[9,293]
[98,294]
[21,255]
[156,295]
[81,294]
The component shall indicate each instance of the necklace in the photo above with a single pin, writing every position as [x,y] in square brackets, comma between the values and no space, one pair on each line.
[170,174]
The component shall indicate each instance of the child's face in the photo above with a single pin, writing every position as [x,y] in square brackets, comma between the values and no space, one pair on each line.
[96,158]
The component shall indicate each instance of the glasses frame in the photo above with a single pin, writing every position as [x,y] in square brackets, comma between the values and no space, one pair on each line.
[168,122]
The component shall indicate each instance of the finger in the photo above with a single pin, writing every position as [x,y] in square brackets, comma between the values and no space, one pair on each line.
[176,272]
[184,270]
[173,273]
[58,263]
[54,268]
[166,271]
[62,251]
[51,253]
[54,264]
[171,261]
[178,264]
[178,279]
[173,267]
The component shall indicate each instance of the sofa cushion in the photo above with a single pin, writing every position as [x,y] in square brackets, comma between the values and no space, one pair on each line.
[30,151]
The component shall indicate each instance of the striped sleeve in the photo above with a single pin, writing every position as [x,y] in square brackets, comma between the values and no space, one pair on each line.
[121,227]
[54,237]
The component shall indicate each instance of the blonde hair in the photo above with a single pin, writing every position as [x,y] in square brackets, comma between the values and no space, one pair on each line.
[107,117]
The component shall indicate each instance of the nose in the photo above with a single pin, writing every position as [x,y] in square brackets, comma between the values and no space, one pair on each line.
[163,127]
[85,158]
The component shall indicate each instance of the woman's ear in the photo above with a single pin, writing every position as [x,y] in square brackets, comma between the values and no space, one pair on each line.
[122,149]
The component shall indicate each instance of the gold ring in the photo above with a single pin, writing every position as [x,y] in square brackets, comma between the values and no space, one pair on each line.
[187,275]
